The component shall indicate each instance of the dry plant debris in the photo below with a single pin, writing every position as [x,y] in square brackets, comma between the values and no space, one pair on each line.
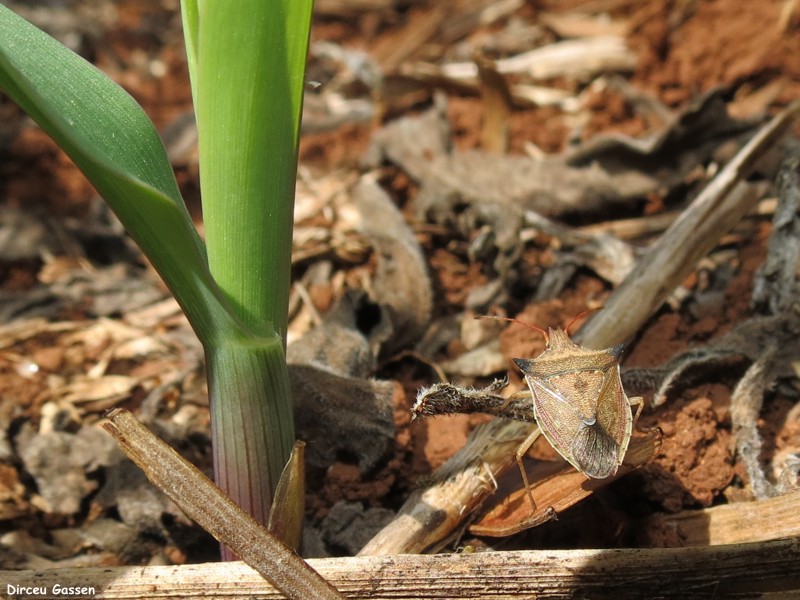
[490,156]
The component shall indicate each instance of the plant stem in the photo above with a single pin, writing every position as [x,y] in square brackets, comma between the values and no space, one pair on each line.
[252,425]
[251,64]
[248,79]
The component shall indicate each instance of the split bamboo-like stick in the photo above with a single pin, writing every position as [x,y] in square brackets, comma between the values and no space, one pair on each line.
[766,569]
[760,520]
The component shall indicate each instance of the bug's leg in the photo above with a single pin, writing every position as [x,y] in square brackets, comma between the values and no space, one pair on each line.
[520,395]
[638,402]
[522,450]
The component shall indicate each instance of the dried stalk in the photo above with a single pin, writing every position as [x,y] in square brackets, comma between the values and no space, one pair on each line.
[726,199]
[722,204]
[737,523]
[767,569]
[204,503]
[570,58]
[461,485]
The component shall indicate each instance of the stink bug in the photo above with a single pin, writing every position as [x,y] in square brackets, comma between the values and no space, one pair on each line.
[574,396]
[578,404]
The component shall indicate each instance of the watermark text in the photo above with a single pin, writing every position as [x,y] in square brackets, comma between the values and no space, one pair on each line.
[65,591]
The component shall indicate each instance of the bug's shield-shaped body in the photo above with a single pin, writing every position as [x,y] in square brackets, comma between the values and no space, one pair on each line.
[579,403]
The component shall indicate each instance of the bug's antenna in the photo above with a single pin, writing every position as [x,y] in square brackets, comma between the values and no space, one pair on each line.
[580,316]
[518,322]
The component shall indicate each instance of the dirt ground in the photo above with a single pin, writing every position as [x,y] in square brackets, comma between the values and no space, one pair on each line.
[86,325]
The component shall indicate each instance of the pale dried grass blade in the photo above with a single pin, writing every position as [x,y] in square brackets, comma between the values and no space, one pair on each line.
[204,503]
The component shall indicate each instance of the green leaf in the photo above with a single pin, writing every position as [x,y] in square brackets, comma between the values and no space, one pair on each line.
[107,134]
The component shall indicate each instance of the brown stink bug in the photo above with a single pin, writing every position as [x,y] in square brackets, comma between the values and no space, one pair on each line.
[578,404]
[575,397]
